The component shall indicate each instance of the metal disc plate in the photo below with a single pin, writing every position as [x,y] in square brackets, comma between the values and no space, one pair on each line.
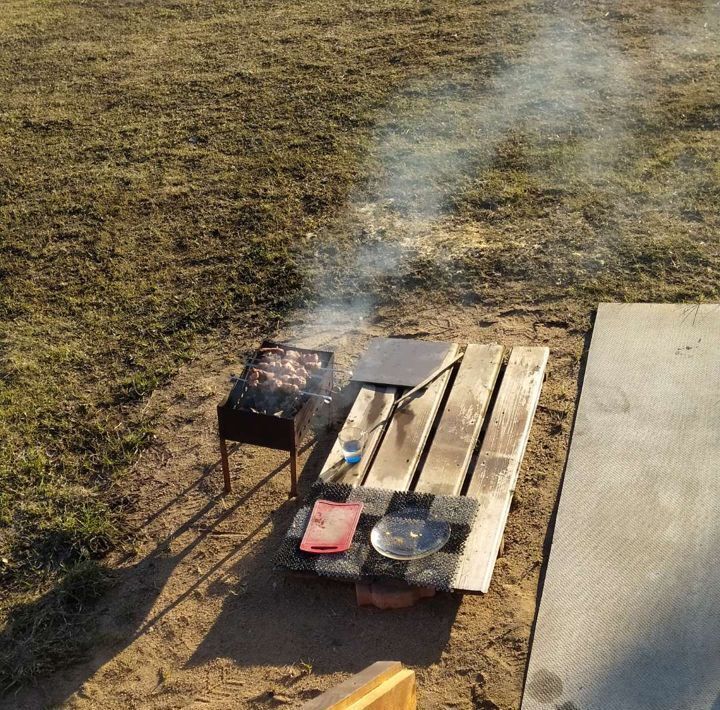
[399,361]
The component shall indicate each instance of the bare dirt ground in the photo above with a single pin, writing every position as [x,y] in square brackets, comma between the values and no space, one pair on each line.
[198,616]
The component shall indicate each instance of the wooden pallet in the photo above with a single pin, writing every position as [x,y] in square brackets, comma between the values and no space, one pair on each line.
[430,445]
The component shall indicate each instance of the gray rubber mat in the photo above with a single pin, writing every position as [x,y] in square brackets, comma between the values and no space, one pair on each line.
[362,562]
[630,610]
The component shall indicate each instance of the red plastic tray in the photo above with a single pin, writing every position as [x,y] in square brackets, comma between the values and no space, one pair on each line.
[331,527]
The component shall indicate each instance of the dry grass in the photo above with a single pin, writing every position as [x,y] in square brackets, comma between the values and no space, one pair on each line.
[161,164]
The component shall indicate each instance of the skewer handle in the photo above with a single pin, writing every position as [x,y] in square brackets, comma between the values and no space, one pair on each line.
[258,361]
[327,398]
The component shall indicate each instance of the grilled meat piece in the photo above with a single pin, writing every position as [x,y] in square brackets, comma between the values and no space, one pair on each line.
[277,377]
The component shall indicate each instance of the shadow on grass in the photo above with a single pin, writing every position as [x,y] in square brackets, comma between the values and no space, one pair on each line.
[54,630]
[266,617]
[62,627]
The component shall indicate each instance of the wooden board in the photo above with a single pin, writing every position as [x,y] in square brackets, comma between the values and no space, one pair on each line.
[629,610]
[384,684]
[400,450]
[404,443]
[372,404]
[457,432]
[396,693]
[493,480]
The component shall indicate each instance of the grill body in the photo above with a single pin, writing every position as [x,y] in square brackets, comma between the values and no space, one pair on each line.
[283,433]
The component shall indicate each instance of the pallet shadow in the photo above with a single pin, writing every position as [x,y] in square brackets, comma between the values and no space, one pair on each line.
[270,618]
[275,619]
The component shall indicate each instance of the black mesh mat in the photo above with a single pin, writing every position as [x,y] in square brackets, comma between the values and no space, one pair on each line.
[361,562]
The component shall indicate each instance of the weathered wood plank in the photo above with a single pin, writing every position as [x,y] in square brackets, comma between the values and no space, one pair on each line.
[356,687]
[400,450]
[457,432]
[372,404]
[495,474]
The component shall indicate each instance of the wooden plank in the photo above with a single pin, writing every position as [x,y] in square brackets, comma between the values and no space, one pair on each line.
[451,449]
[372,403]
[406,435]
[396,693]
[495,474]
[349,691]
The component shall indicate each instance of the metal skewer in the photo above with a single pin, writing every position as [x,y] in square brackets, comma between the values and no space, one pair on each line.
[257,362]
[402,401]
[326,398]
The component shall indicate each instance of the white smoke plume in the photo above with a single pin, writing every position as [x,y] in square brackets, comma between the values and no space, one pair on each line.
[572,84]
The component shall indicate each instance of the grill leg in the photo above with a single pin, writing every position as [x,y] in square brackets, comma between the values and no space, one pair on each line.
[332,406]
[225,465]
[293,469]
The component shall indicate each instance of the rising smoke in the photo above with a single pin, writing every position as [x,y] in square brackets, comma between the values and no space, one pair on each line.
[573,86]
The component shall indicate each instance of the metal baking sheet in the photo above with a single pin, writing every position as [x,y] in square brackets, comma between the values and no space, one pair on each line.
[629,613]
[399,361]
